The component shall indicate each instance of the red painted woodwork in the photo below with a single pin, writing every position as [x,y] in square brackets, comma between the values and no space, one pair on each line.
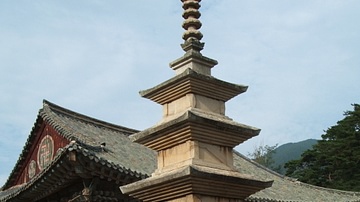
[41,132]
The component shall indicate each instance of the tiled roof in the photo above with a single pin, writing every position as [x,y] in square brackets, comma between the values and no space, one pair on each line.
[89,133]
[285,189]
[121,154]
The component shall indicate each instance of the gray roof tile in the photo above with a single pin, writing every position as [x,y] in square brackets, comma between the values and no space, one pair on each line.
[90,133]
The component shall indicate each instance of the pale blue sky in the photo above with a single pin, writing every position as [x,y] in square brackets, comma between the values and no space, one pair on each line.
[299,58]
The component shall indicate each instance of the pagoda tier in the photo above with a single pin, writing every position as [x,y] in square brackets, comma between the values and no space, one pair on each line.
[196,183]
[190,81]
[196,125]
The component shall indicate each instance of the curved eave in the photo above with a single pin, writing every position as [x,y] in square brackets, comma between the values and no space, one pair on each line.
[35,183]
[91,157]
[192,82]
[60,173]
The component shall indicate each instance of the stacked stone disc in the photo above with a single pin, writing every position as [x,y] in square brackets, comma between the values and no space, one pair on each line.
[192,24]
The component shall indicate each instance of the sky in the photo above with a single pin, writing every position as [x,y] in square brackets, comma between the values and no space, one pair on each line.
[299,58]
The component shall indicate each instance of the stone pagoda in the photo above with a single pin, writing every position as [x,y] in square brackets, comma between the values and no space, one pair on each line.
[194,140]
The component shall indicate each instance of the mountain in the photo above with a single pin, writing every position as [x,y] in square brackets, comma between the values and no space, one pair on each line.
[290,151]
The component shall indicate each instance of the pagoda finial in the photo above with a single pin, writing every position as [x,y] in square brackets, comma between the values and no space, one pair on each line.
[192,24]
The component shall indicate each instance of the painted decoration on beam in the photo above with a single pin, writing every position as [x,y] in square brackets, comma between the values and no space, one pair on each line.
[45,152]
[32,169]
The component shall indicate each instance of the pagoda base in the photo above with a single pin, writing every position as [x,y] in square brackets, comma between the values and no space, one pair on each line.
[191,183]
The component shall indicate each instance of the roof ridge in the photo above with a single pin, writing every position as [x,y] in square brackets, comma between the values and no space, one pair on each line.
[262,167]
[294,179]
[329,189]
[88,119]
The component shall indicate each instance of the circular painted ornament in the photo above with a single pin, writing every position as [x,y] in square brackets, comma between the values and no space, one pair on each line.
[32,169]
[45,152]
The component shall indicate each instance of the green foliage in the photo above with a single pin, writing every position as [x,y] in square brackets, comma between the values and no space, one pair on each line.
[290,151]
[334,162]
[264,156]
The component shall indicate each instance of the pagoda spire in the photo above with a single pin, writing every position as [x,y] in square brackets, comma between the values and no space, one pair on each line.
[192,45]
[192,24]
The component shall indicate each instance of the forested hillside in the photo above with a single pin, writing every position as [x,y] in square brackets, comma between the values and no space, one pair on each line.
[334,162]
[288,152]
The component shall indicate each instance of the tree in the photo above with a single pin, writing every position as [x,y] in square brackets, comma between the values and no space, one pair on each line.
[334,162]
[263,155]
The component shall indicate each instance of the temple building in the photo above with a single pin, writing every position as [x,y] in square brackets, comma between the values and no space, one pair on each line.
[188,156]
